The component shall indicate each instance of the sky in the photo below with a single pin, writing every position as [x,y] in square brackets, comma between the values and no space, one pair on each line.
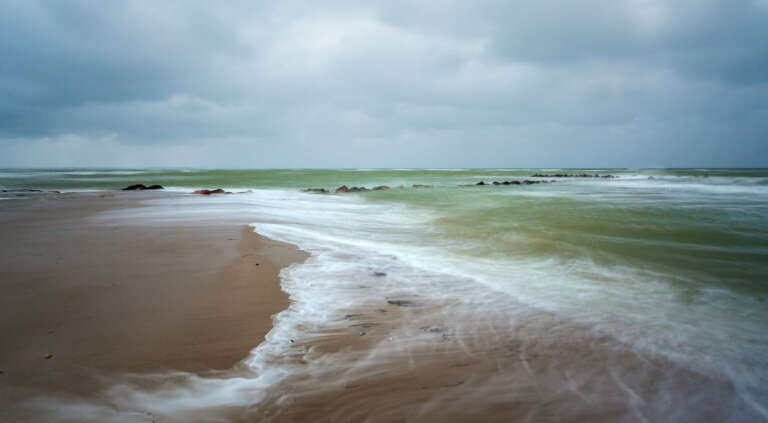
[487,83]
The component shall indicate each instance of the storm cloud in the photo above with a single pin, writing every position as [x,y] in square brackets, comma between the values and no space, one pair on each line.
[626,83]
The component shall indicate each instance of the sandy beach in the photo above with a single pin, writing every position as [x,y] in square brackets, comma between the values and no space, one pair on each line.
[104,300]
[160,306]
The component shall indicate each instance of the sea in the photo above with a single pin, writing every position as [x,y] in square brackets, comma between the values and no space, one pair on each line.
[642,296]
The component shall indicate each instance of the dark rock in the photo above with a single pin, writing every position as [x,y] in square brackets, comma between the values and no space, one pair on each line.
[318,190]
[381,188]
[480,183]
[211,191]
[400,303]
[357,189]
[342,188]
[141,187]
[421,186]
[379,274]
[496,183]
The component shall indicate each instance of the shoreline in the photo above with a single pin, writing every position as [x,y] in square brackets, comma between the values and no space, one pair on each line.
[372,336]
[108,299]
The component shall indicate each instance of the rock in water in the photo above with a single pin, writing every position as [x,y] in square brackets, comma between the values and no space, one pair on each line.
[401,303]
[381,188]
[209,191]
[342,188]
[141,187]
[480,183]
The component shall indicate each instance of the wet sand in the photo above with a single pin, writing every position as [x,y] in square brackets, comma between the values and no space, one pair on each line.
[105,299]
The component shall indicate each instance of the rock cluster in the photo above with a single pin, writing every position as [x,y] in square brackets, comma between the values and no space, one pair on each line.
[345,188]
[565,175]
[141,187]
[523,182]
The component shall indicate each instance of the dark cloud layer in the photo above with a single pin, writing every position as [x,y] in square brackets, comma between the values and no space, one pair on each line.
[384,84]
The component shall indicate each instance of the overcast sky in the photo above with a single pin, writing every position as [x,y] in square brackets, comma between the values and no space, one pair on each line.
[497,83]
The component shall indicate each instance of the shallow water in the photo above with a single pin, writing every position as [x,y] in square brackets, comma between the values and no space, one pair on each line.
[654,282]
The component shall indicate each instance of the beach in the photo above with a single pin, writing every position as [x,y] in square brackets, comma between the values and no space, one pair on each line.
[103,300]
[630,296]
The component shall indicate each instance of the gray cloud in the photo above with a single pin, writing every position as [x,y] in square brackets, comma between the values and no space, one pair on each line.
[489,83]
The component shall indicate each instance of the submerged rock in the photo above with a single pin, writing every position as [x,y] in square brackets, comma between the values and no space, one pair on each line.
[400,303]
[480,183]
[141,187]
[342,188]
[317,190]
[381,188]
[209,191]
[379,274]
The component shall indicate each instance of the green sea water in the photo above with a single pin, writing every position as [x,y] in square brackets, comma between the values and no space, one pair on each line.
[698,227]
